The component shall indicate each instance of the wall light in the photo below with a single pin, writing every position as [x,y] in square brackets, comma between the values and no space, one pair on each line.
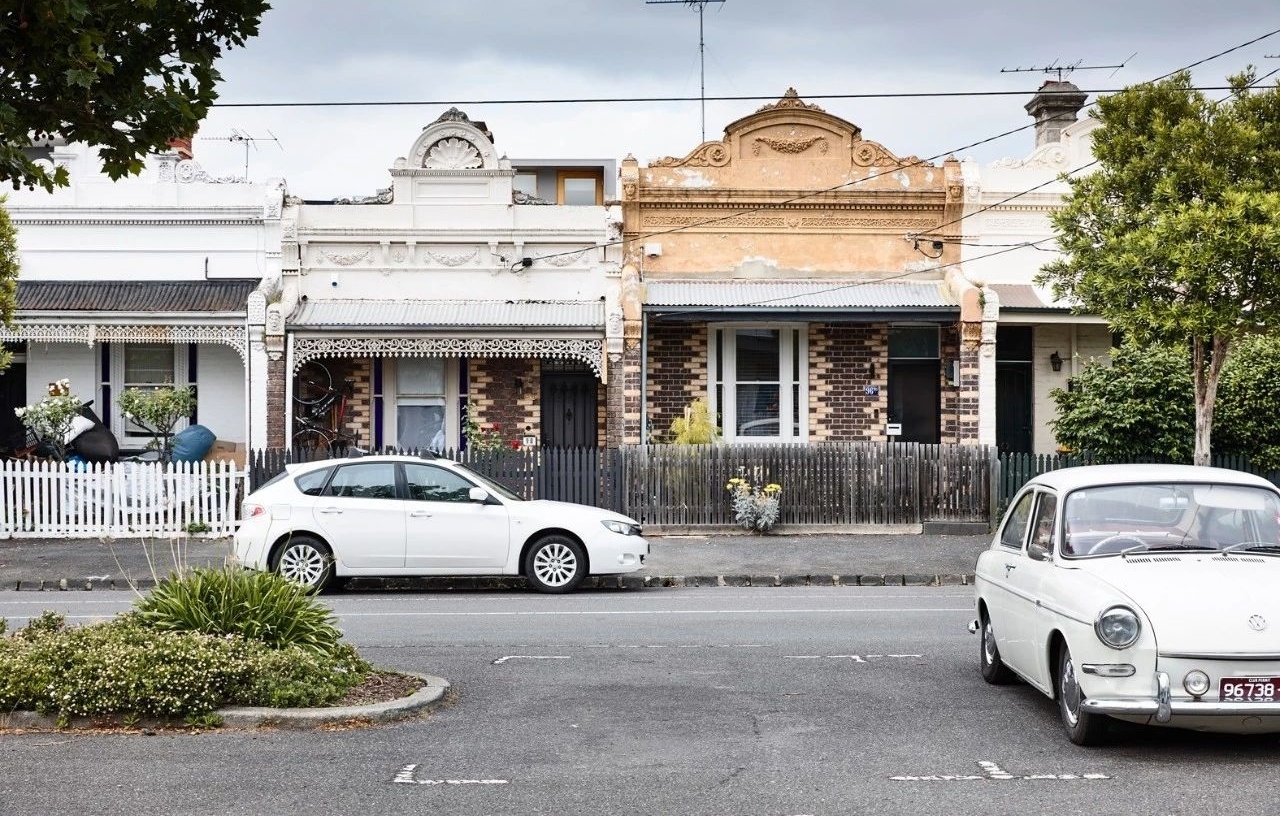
[1055,361]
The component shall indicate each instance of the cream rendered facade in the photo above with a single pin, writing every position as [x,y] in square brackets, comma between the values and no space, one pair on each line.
[450,287]
[154,278]
[1008,204]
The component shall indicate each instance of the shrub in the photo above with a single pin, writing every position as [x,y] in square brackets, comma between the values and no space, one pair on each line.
[259,606]
[157,410]
[755,507]
[694,427]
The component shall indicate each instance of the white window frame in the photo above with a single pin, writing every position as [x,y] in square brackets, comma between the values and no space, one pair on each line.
[788,335]
[393,400]
[111,414]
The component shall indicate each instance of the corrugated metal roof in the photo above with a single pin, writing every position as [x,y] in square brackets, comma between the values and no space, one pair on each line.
[1024,296]
[464,313]
[135,296]
[807,294]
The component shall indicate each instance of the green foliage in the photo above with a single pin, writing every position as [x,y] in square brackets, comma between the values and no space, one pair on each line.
[9,268]
[1247,414]
[197,527]
[694,427]
[1139,406]
[755,507]
[126,75]
[125,667]
[50,419]
[259,606]
[478,437]
[1175,238]
[157,410]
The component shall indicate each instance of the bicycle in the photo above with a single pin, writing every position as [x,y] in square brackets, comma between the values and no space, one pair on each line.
[321,409]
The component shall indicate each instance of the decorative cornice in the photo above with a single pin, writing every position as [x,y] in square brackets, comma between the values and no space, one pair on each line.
[590,351]
[91,333]
[709,154]
[790,101]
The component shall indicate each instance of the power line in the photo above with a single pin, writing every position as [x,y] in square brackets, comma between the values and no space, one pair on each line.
[702,50]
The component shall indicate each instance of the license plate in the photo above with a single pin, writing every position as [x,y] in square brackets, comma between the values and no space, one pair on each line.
[1249,689]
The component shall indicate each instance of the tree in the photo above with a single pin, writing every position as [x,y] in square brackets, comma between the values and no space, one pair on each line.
[1139,406]
[125,75]
[8,277]
[1175,238]
[1247,415]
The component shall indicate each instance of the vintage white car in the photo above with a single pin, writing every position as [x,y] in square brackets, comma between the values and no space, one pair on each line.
[1147,593]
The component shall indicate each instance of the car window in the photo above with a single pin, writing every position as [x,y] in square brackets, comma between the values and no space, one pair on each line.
[1014,531]
[312,483]
[374,480]
[1042,526]
[431,483]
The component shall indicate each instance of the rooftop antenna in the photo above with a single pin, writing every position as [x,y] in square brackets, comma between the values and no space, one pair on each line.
[702,47]
[1063,71]
[247,141]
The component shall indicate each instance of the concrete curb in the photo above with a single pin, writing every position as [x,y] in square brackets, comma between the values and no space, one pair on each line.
[509,582]
[245,718]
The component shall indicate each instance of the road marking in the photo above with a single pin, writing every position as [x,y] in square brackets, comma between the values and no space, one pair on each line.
[855,658]
[405,776]
[502,660]
[992,771]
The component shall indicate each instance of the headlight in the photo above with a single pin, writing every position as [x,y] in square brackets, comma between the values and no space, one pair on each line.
[620,527]
[1196,683]
[1118,627]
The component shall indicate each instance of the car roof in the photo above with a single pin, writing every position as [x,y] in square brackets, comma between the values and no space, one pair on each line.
[1072,478]
[304,467]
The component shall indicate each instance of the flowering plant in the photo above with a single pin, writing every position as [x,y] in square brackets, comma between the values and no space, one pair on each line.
[477,437]
[755,507]
[157,410]
[50,419]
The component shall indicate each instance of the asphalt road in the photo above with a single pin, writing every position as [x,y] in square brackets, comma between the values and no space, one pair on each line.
[659,701]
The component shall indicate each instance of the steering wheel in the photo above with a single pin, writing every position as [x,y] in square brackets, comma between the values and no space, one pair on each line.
[1126,538]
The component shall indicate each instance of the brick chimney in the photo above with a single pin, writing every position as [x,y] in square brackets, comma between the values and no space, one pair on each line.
[182,146]
[1055,107]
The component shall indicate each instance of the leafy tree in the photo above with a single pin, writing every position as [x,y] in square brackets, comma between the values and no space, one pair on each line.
[1139,406]
[1247,416]
[1175,238]
[156,411]
[126,75]
[8,276]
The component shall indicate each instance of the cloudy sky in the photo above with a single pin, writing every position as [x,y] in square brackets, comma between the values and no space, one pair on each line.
[491,57]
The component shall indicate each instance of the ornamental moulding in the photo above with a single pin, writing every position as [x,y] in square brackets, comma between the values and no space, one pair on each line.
[590,352]
[89,333]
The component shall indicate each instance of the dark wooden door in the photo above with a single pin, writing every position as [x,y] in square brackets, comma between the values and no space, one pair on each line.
[914,395]
[13,394]
[569,403]
[1013,407]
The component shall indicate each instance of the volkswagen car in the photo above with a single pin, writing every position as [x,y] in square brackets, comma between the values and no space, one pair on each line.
[1146,593]
[421,516]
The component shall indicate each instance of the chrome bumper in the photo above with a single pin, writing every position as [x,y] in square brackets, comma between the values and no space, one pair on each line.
[1163,708]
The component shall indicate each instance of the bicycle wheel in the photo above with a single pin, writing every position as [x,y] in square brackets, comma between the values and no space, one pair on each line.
[312,384]
[311,441]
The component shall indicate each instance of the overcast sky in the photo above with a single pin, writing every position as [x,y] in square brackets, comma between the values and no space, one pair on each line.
[471,53]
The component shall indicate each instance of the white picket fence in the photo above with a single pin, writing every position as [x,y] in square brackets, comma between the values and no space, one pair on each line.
[58,500]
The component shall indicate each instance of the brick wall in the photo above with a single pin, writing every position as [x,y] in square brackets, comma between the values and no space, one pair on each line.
[843,360]
[505,391]
[277,375]
[677,373]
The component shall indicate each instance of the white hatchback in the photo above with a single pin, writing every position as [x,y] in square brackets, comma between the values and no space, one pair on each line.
[1147,593]
[422,516]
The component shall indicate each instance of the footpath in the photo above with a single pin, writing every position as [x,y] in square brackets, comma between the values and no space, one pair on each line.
[856,559]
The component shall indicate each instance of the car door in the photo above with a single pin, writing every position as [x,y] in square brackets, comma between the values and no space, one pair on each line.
[1028,583]
[1006,604]
[362,516]
[447,531]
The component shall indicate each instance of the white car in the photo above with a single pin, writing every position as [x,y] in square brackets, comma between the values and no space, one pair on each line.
[1147,593]
[417,516]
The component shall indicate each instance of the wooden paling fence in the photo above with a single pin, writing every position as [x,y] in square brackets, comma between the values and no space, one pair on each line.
[57,499]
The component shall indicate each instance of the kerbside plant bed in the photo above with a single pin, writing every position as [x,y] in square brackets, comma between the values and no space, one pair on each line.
[206,648]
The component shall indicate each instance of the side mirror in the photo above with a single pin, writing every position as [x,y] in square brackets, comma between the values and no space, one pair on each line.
[478,495]
[1037,551]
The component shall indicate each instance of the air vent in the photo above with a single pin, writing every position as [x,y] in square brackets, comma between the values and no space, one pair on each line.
[1231,559]
[1152,559]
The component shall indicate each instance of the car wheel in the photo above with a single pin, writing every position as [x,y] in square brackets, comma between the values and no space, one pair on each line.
[994,671]
[555,563]
[305,561]
[1083,728]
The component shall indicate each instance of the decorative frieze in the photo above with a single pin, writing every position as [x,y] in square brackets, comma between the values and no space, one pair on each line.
[589,351]
[90,333]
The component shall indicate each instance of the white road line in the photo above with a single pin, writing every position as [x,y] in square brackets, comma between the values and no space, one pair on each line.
[405,776]
[502,660]
[992,771]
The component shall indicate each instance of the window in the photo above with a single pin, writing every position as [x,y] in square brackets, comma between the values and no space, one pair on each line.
[1042,529]
[526,183]
[422,415]
[756,379]
[431,483]
[146,367]
[1015,525]
[579,187]
[366,481]
[309,483]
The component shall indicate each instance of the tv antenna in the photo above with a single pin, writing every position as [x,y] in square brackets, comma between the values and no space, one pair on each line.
[1064,70]
[700,5]
[247,141]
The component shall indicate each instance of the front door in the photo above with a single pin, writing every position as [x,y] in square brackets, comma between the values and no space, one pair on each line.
[914,395]
[1013,407]
[569,409]
[13,394]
